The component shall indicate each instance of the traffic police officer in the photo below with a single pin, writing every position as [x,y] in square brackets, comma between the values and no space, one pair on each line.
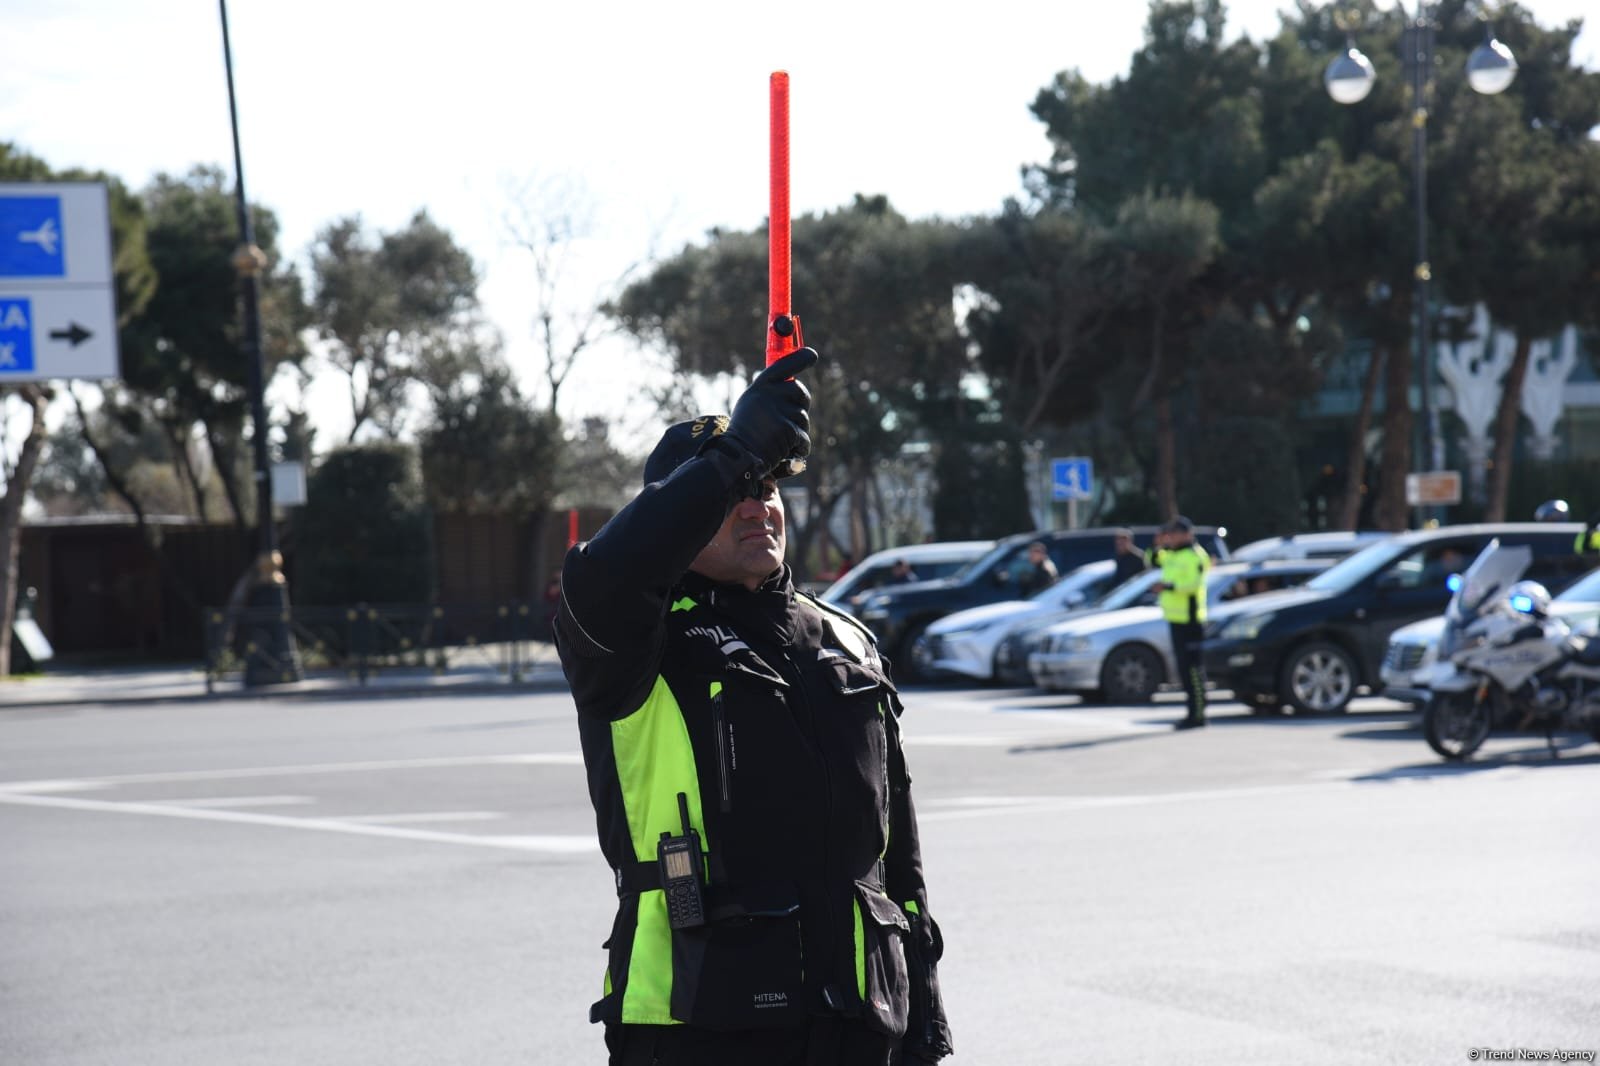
[1588,541]
[744,761]
[1184,565]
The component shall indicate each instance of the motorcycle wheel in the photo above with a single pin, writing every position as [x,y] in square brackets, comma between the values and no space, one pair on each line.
[1455,724]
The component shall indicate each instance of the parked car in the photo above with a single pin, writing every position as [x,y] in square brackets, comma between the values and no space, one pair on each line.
[901,614]
[1323,545]
[1011,657]
[1123,656]
[928,561]
[965,643]
[1315,648]
[1413,650]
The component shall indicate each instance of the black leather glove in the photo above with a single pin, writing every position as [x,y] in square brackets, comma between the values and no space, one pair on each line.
[771,422]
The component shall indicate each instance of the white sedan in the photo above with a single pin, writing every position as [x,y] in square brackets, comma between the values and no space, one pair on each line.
[965,642]
[1125,656]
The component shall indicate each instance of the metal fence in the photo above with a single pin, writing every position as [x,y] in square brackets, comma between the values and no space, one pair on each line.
[361,641]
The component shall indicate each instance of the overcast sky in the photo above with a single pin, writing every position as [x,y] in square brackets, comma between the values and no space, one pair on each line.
[659,110]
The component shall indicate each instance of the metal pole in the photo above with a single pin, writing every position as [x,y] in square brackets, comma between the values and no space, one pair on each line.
[1421,72]
[270,653]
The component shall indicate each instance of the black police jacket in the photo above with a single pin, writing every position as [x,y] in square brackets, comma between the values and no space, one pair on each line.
[775,721]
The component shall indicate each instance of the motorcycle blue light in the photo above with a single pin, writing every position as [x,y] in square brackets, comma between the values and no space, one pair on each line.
[1453,582]
[1522,603]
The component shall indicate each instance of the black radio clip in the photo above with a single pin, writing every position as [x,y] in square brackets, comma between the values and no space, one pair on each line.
[681,865]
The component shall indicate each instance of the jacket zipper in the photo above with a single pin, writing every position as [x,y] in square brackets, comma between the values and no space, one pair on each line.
[799,688]
[719,724]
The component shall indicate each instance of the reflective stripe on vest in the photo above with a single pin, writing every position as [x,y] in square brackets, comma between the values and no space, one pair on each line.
[861,953]
[654,763]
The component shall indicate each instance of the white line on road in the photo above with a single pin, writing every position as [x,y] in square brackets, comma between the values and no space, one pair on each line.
[552,843]
[553,758]
[233,801]
[422,816]
[982,806]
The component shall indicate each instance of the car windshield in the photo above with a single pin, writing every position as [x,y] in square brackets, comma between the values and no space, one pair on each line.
[1352,571]
[984,561]
[1585,590]
[1129,592]
[1075,582]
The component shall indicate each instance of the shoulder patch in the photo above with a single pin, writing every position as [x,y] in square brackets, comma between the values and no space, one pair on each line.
[857,640]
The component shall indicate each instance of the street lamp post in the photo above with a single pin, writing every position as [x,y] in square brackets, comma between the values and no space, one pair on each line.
[1348,79]
[270,656]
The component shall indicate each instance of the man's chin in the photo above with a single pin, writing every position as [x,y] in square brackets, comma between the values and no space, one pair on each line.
[761,557]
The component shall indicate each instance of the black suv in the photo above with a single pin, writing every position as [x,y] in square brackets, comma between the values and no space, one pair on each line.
[900,613]
[1313,647]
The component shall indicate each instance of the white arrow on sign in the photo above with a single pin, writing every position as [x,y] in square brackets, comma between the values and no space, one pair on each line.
[45,236]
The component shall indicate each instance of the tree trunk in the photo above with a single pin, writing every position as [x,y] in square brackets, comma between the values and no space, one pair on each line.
[1355,462]
[224,461]
[1505,430]
[1166,456]
[185,468]
[1394,462]
[11,517]
[860,544]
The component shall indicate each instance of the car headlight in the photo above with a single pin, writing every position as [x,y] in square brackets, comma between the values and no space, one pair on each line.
[1072,642]
[963,632]
[1246,627]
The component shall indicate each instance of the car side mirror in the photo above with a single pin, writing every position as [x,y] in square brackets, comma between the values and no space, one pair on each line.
[1389,579]
[1001,577]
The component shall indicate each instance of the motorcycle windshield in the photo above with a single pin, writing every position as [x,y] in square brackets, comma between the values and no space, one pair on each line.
[1490,577]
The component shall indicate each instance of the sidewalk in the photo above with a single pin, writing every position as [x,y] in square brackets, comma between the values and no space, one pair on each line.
[87,686]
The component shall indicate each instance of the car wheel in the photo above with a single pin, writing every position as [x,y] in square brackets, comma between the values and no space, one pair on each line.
[1131,674]
[1318,678]
[906,669]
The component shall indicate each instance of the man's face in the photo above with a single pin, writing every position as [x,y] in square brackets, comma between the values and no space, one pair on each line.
[749,546]
[1124,545]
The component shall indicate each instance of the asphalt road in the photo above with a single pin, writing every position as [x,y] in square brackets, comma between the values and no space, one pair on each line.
[412,880]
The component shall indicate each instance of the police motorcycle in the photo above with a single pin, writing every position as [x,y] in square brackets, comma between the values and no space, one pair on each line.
[1504,662]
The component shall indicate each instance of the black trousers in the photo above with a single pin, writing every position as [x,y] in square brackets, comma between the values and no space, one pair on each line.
[1186,638]
[822,1042]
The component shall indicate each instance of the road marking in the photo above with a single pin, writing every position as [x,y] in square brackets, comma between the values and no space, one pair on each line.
[1028,740]
[555,758]
[233,801]
[551,843]
[422,816]
[981,806]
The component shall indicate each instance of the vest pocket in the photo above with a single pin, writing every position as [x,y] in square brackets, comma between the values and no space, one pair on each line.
[881,959]
[742,972]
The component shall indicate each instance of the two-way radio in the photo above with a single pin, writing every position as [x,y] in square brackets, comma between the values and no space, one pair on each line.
[681,862]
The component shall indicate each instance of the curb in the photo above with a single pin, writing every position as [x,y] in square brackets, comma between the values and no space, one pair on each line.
[233,691]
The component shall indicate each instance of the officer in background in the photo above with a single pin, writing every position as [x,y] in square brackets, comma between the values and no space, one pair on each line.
[1588,541]
[1184,565]
[744,760]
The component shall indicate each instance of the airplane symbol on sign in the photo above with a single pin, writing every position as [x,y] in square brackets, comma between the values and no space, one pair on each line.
[45,236]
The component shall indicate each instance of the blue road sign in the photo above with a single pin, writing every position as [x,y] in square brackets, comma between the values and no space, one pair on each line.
[1072,479]
[31,241]
[16,336]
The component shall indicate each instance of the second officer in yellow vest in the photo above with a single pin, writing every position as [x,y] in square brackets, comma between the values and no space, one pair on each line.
[1184,566]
